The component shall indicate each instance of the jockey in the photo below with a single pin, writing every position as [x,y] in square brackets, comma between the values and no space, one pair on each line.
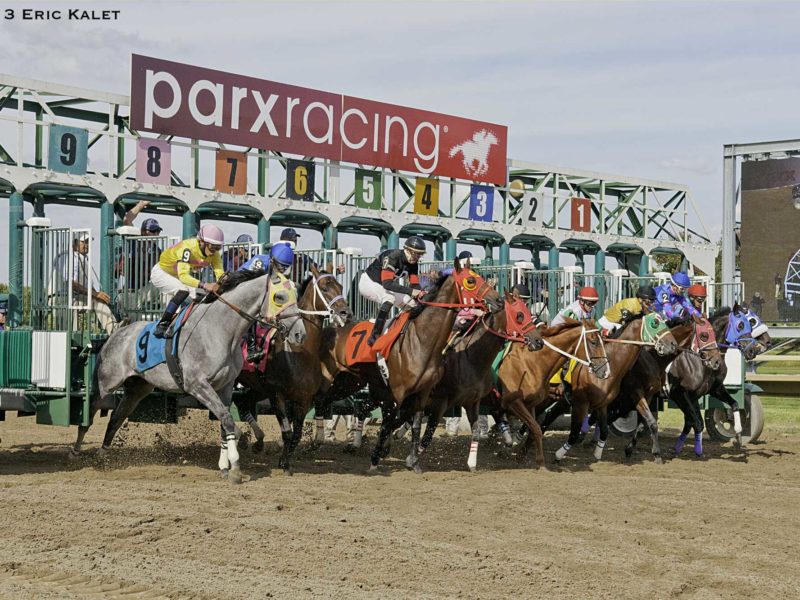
[280,258]
[173,272]
[582,308]
[379,281]
[670,301]
[697,296]
[629,307]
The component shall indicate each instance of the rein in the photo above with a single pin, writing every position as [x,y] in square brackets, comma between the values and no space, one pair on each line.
[242,313]
[581,339]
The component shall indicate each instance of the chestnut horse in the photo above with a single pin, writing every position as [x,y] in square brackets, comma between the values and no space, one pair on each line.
[524,380]
[292,373]
[415,362]
[592,394]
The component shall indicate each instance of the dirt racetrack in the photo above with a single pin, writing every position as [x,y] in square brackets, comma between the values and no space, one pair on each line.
[155,521]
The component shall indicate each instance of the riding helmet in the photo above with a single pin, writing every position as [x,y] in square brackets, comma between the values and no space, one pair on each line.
[588,293]
[415,244]
[523,291]
[646,292]
[697,291]
[681,279]
[211,234]
[282,254]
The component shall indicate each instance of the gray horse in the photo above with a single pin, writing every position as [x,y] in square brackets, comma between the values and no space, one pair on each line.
[209,352]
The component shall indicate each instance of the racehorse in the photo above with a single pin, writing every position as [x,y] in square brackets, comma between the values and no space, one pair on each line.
[524,380]
[592,394]
[647,377]
[208,355]
[737,327]
[468,368]
[292,373]
[414,362]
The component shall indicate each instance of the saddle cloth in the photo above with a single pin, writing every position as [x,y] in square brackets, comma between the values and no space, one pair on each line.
[263,338]
[150,350]
[358,351]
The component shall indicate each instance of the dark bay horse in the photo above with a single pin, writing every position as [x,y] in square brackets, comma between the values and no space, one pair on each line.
[647,377]
[524,380]
[209,354]
[415,362]
[592,394]
[292,373]
[734,328]
[468,368]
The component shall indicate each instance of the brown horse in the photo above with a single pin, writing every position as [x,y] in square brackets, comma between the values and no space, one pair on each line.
[415,363]
[647,377]
[524,380]
[592,394]
[292,373]
[468,368]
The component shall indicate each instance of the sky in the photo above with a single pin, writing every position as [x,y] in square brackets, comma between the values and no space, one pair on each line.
[644,89]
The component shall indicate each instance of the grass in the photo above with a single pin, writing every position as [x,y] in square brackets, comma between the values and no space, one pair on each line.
[781,414]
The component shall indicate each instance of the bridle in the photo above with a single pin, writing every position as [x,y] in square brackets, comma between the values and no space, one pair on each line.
[603,362]
[260,317]
[328,304]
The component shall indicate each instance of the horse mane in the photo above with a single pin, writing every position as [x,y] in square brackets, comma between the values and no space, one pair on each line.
[556,329]
[417,310]
[722,312]
[231,280]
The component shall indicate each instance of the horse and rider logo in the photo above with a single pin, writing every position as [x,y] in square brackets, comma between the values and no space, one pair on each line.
[475,152]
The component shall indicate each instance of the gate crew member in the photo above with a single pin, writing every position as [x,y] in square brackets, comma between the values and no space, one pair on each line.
[379,281]
[670,300]
[81,283]
[174,272]
[582,308]
[628,308]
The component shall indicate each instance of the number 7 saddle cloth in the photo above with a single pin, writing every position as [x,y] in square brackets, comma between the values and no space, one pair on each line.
[358,351]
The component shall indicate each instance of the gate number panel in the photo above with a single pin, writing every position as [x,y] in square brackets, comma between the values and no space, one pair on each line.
[481,202]
[581,214]
[368,189]
[68,148]
[426,196]
[300,180]
[153,161]
[231,172]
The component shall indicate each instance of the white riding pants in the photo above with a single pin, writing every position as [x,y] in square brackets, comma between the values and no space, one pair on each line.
[374,291]
[168,284]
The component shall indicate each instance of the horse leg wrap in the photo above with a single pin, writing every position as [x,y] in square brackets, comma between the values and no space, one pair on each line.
[562,452]
[233,451]
[698,444]
[224,463]
[519,437]
[598,449]
[585,425]
[737,422]
[679,443]
[320,435]
[505,431]
[472,461]
[596,434]
[358,434]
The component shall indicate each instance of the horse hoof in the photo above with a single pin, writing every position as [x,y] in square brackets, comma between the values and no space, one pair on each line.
[658,460]
[223,473]
[472,468]
[373,469]
[350,449]
[101,453]
[235,476]
[75,454]
[288,471]
[242,443]
[410,462]
[417,469]
[258,446]
[628,452]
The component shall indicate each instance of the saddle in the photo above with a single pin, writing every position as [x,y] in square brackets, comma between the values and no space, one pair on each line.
[152,351]
[358,351]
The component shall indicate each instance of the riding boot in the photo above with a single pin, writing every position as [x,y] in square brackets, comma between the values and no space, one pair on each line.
[173,306]
[254,353]
[380,321]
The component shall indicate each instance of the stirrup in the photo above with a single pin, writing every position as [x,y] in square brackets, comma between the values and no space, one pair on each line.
[373,338]
[162,330]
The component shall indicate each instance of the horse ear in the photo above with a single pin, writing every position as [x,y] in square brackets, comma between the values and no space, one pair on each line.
[736,308]
[468,264]
[314,270]
[457,265]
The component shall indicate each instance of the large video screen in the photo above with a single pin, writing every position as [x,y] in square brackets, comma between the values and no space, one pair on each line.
[770,237]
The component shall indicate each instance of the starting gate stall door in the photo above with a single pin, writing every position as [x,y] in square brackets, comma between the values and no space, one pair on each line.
[137,297]
[503,275]
[362,308]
